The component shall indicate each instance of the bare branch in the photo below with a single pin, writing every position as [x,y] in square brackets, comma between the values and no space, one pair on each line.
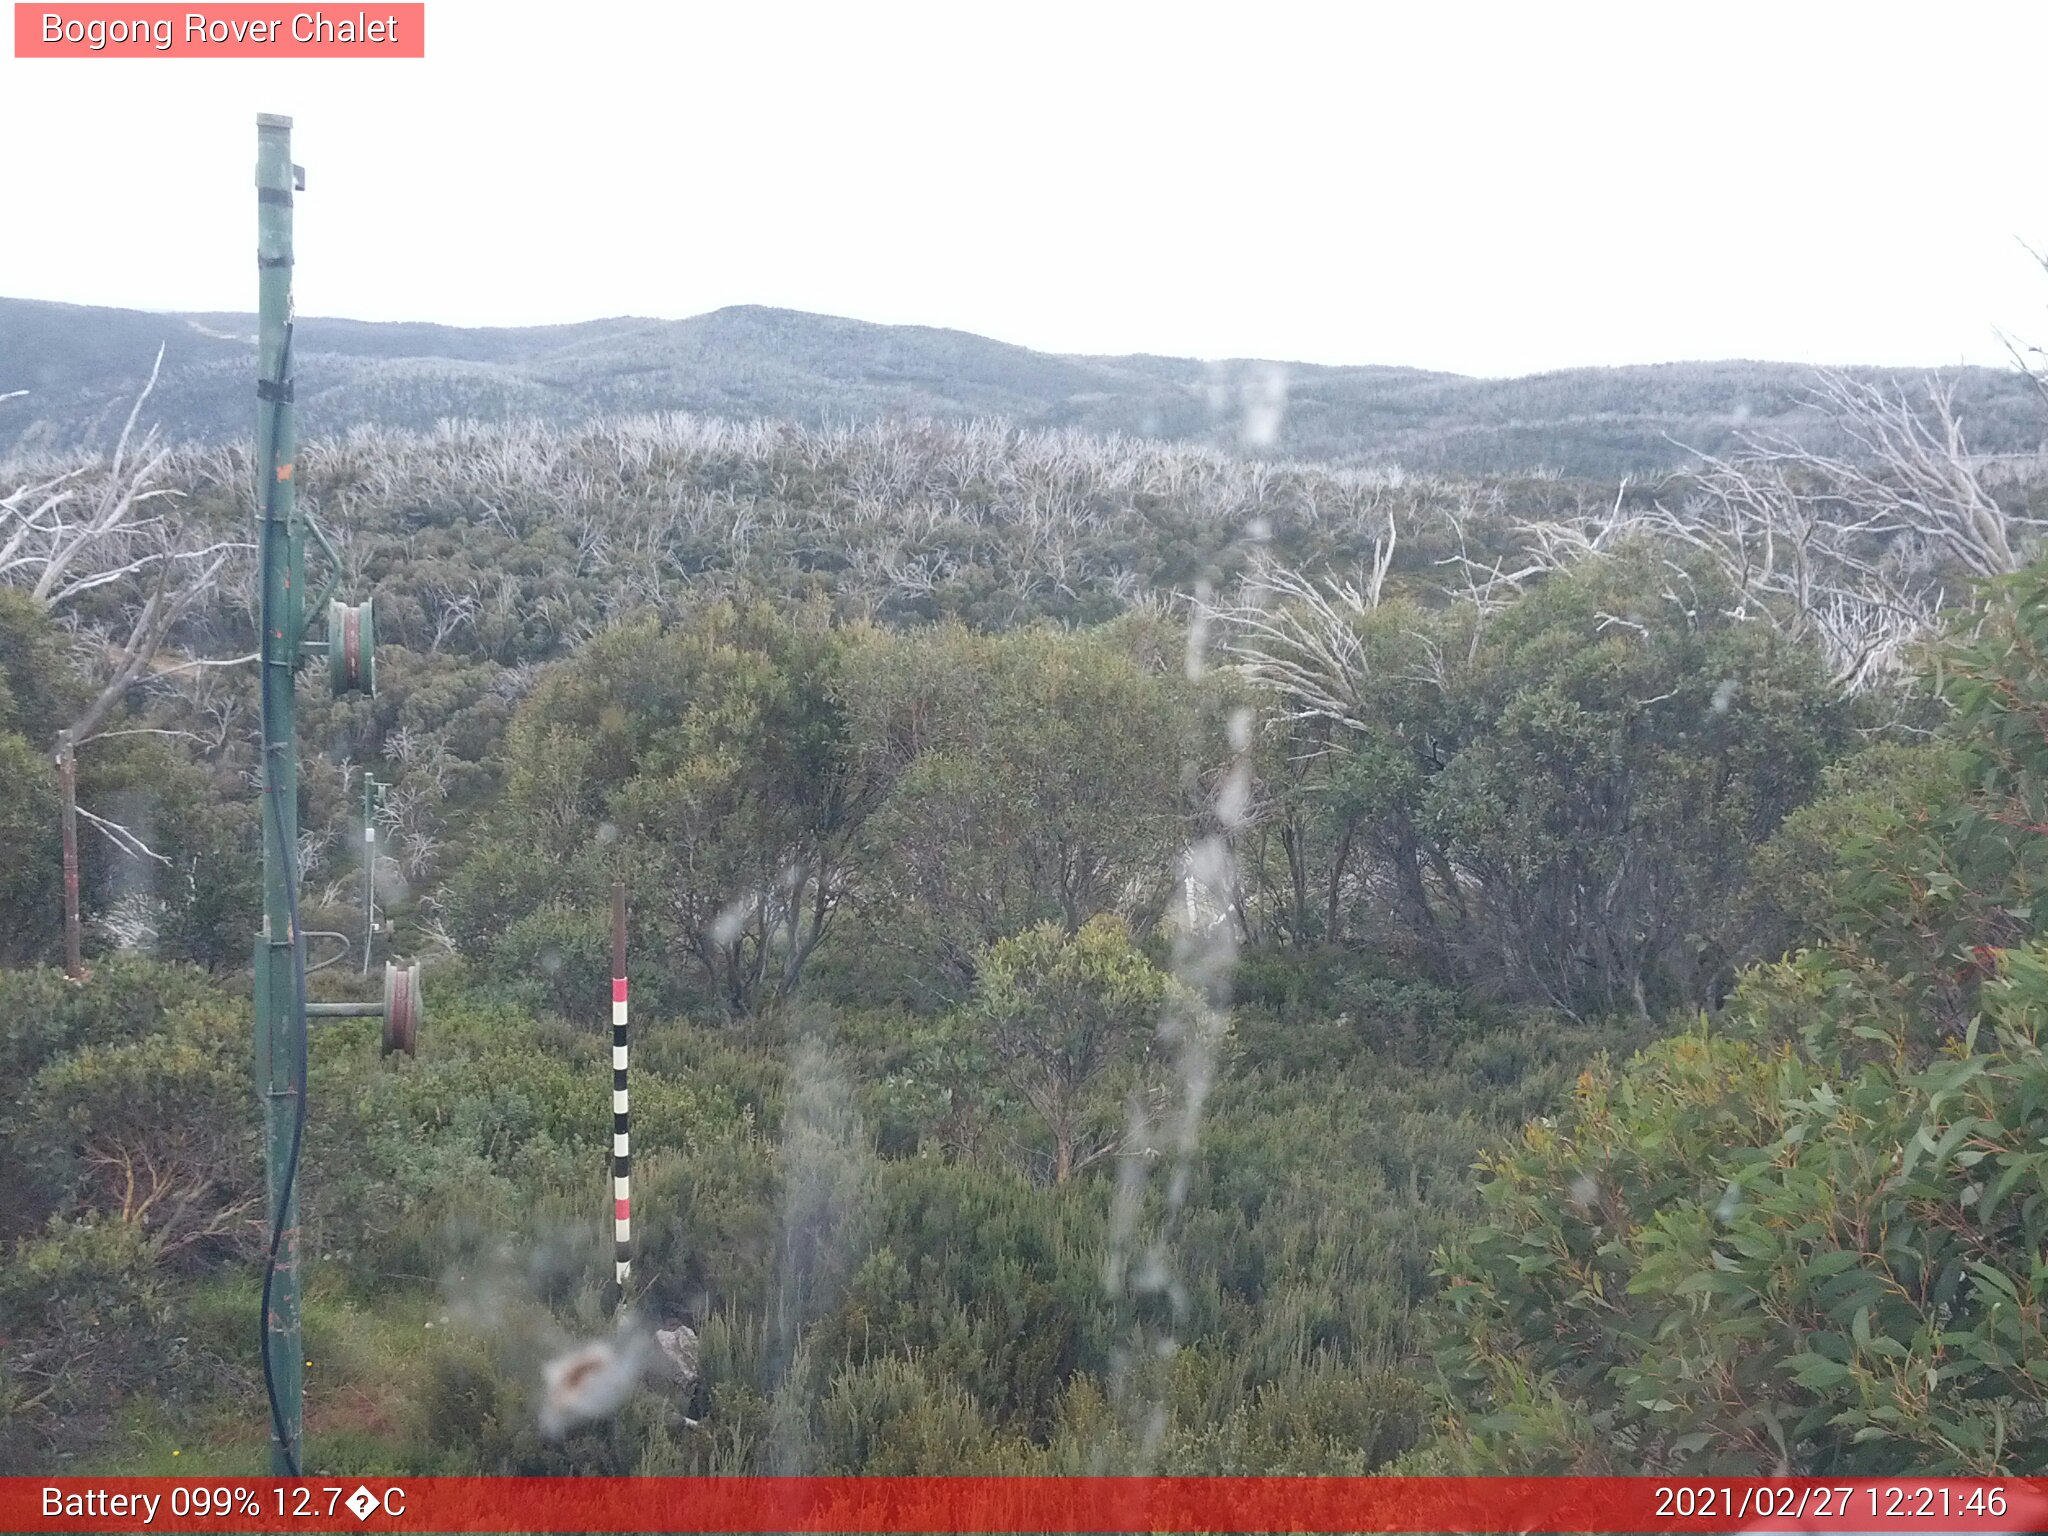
[124,839]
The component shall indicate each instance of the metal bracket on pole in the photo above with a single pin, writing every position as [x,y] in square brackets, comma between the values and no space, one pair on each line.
[401,1008]
[333,581]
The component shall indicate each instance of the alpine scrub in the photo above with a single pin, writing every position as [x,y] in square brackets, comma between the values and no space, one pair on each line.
[1809,1234]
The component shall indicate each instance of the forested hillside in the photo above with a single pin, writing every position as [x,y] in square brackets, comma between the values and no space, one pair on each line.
[1145,957]
[78,366]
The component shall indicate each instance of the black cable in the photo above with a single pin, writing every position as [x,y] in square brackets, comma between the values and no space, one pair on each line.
[273,799]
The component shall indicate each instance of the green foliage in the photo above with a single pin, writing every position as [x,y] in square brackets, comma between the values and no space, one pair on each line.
[1832,862]
[559,955]
[917,1304]
[37,684]
[45,1019]
[1635,746]
[1941,856]
[1309,1010]
[1030,777]
[1558,801]
[708,763]
[39,687]
[1332,1419]
[1069,1022]
[1810,1237]
[89,1316]
[897,902]
[129,1143]
[31,871]
[154,1132]
[776,782]
[1731,1258]
[208,902]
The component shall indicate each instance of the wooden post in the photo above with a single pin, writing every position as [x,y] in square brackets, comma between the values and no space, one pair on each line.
[67,789]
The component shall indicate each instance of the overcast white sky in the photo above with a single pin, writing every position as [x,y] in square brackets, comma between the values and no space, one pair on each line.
[1485,188]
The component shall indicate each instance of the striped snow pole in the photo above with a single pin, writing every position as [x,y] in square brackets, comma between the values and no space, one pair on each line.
[622,1147]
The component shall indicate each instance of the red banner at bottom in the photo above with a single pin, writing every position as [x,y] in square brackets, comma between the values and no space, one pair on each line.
[1023,1504]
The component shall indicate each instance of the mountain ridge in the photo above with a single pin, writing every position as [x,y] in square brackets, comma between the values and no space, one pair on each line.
[80,366]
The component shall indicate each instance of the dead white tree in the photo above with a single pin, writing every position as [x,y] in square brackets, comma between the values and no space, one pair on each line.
[1297,636]
[456,608]
[1854,548]
[101,530]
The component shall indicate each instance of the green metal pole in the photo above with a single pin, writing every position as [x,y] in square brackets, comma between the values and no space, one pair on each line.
[369,868]
[280,951]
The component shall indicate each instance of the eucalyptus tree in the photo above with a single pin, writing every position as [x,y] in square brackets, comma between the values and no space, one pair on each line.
[1556,796]
[706,763]
[1030,777]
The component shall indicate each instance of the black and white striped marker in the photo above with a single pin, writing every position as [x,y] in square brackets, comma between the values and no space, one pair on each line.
[622,1146]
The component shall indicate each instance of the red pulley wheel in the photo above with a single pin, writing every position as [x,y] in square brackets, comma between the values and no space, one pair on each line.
[401,1007]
